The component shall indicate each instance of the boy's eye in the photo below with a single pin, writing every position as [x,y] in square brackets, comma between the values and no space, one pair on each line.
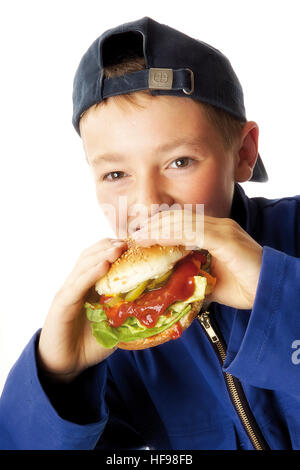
[182,162]
[113,175]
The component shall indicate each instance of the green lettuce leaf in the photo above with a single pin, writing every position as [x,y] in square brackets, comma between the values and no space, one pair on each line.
[132,329]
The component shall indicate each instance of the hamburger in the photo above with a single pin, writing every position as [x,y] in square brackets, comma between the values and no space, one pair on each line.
[149,296]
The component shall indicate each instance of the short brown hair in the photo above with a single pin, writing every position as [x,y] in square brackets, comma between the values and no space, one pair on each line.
[227,125]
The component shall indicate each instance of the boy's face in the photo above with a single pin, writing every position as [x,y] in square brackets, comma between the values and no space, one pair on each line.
[164,153]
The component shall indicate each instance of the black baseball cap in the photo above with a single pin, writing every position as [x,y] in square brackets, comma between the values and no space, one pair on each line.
[176,65]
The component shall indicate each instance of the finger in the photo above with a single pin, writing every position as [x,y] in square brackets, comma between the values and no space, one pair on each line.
[175,219]
[89,278]
[178,232]
[186,217]
[154,241]
[213,237]
[96,272]
[103,244]
[217,234]
[89,262]
[111,254]
[181,214]
[188,245]
[169,215]
[97,249]
[113,245]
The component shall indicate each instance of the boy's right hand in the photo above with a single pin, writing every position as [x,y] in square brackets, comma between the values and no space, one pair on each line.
[66,345]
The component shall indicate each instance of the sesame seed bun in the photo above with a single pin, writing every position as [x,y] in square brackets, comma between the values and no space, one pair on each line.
[164,336]
[138,264]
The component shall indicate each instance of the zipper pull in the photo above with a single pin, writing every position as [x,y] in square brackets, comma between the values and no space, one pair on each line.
[205,322]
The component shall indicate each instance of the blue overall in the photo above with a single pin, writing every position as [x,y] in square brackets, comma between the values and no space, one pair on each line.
[174,396]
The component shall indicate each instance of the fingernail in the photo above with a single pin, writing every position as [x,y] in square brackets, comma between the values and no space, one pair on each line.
[117,242]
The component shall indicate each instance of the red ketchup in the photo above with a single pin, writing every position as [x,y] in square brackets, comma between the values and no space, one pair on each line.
[176,331]
[150,305]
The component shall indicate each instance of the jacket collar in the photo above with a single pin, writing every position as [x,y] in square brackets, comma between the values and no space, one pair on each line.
[243,209]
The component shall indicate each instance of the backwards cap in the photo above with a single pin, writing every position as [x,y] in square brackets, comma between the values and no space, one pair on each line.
[176,65]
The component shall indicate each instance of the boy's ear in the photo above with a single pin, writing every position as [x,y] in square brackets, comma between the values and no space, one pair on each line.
[247,152]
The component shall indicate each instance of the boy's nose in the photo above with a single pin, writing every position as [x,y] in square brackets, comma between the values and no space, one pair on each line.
[150,198]
[151,192]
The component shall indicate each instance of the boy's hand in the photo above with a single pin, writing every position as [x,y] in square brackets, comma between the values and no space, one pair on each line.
[66,345]
[236,257]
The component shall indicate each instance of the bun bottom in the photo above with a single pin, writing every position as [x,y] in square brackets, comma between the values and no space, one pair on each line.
[165,335]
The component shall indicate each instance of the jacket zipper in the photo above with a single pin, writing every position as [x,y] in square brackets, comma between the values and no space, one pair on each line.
[234,387]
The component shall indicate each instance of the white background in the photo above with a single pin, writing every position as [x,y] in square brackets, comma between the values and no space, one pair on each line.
[49,212]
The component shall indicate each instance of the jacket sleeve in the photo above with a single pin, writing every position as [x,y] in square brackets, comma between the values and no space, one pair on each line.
[268,353]
[88,413]
[70,417]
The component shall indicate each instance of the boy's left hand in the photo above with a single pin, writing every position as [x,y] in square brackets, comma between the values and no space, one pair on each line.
[236,257]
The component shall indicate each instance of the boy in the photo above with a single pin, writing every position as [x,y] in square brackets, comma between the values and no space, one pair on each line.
[162,120]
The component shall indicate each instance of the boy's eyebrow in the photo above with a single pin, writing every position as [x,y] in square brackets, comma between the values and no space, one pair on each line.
[179,142]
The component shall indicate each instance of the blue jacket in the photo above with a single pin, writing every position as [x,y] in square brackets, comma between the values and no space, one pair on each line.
[175,396]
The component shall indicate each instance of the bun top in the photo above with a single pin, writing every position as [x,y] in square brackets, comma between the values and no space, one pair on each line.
[138,264]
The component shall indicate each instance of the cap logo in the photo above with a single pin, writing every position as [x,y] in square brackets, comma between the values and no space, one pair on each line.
[160,79]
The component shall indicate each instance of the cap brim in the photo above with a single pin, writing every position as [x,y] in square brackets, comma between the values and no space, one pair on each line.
[259,172]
